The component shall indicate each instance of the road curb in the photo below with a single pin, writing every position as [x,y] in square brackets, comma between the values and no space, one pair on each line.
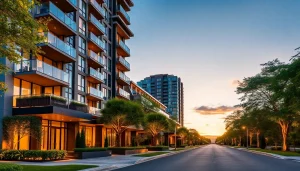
[164,155]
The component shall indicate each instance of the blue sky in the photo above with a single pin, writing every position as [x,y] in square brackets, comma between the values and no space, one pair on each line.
[210,44]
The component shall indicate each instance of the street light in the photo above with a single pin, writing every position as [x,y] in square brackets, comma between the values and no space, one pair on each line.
[244,127]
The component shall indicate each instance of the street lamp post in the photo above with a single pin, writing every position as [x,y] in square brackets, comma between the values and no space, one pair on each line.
[247,135]
[175,137]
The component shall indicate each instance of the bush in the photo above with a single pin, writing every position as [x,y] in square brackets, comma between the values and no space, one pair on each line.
[89,149]
[126,148]
[106,142]
[157,148]
[10,167]
[262,141]
[278,148]
[33,155]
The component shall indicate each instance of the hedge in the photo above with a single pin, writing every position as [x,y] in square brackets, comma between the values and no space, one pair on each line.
[161,147]
[89,149]
[126,148]
[33,155]
[10,167]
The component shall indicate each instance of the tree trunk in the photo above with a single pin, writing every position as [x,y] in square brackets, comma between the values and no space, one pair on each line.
[240,141]
[118,139]
[250,138]
[284,131]
[257,139]
[234,141]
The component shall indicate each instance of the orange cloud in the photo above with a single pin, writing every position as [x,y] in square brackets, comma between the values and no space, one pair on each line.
[206,110]
[235,83]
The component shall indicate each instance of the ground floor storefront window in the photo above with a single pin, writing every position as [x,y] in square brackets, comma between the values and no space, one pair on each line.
[111,137]
[53,135]
[90,134]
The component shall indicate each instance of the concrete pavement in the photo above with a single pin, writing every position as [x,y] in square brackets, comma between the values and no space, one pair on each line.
[216,158]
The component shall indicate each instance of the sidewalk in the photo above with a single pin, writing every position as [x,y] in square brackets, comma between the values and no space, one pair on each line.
[105,163]
[295,158]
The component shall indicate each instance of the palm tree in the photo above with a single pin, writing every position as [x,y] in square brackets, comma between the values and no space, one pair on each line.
[120,114]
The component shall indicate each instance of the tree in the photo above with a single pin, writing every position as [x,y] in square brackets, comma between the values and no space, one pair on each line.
[154,124]
[274,89]
[120,114]
[106,142]
[78,140]
[149,105]
[82,139]
[21,126]
[18,32]
[183,132]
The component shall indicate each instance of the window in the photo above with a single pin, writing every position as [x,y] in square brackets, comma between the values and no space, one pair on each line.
[36,89]
[81,98]
[106,45]
[57,91]
[105,77]
[109,65]
[82,8]
[105,62]
[26,88]
[17,86]
[48,90]
[81,83]
[104,91]
[70,41]
[108,80]
[82,26]
[81,63]
[82,45]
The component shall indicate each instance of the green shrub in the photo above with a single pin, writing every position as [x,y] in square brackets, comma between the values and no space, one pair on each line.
[82,139]
[78,140]
[126,148]
[33,154]
[106,142]
[10,167]
[89,149]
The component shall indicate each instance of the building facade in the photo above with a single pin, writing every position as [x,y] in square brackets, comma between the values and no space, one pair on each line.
[83,65]
[168,89]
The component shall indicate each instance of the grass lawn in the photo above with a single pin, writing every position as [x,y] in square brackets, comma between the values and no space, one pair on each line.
[283,153]
[56,168]
[151,154]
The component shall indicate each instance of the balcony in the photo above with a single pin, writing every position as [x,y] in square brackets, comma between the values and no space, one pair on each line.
[60,23]
[41,73]
[66,5]
[95,44]
[95,76]
[123,79]
[50,107]
[94,94]
[123,49]
[57,49]
[94,111]
[123,14]
[123,65]
[125,4]
[123,94]
[95,26]
[94,60]
[96,9]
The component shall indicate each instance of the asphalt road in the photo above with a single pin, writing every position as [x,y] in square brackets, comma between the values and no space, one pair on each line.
[216,158]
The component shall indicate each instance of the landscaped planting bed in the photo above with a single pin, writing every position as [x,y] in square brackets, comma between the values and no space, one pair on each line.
[128,150]
[157,148]
[33,155]
[84,153]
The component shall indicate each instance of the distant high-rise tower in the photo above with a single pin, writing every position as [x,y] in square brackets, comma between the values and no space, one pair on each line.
[169,90]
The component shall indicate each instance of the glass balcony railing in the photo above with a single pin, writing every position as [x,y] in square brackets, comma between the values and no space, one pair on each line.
[124,62]
[121,9]
[124,77]
[97,23]
[96,57]
[37,65]
[124,93]
[61,45]
[97,40]
[124,46]
[47,8]
[74,2]
[97,6]
[96,74]
[95,92]
[94,111]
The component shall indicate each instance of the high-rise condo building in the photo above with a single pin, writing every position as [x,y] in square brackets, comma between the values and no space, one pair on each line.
[168,89]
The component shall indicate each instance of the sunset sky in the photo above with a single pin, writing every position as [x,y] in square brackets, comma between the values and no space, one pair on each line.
[210,44]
